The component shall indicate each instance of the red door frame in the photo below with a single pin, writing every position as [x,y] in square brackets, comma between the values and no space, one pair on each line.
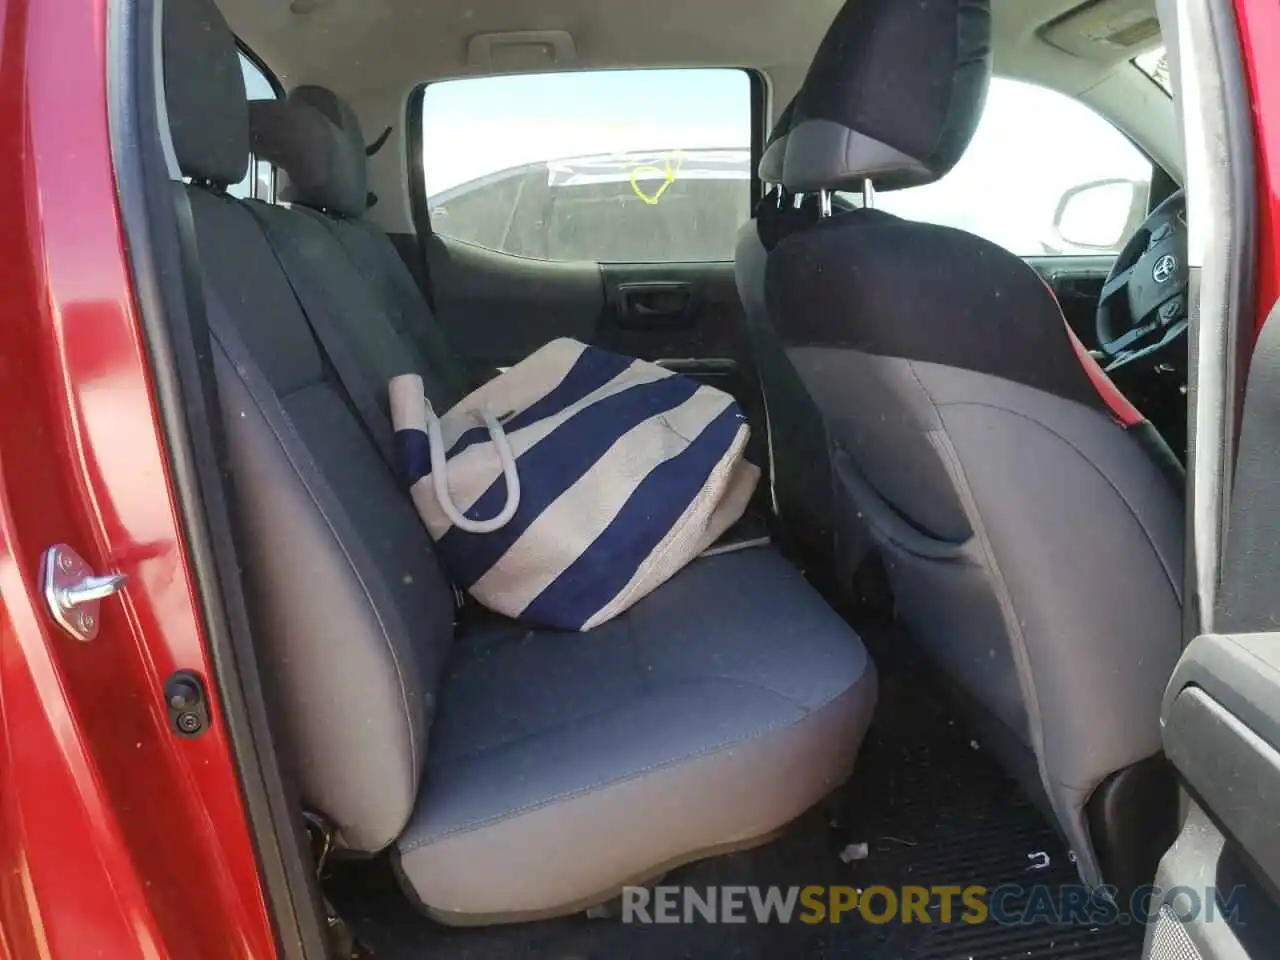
[117,838]
[1259,25]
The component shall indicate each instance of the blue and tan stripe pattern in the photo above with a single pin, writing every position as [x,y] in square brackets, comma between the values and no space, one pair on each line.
[626,472]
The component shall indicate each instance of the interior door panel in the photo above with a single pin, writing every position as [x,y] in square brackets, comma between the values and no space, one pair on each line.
[1222,725]
[498,308]
[1221,713]
[711,325]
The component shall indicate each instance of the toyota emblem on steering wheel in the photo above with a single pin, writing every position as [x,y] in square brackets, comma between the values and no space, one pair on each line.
[1164,268]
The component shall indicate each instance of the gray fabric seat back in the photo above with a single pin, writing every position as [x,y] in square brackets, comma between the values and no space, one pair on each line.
[351,617]
[1033,546]
[315,138]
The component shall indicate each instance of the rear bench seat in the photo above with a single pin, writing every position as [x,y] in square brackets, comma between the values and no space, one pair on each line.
[514,773]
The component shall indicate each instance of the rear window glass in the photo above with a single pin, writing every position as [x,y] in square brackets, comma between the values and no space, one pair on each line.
[619,165]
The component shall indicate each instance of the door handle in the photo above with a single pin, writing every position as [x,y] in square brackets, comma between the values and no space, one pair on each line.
[655,303]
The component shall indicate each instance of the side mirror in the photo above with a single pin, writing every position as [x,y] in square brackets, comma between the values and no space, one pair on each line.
[1099,215]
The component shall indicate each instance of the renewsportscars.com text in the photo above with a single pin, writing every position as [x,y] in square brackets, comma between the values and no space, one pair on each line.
[1008,905]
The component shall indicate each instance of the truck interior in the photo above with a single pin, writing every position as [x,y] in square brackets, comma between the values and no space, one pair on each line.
[939,253]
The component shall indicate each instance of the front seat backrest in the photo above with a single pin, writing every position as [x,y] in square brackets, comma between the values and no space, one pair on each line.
[1033,546]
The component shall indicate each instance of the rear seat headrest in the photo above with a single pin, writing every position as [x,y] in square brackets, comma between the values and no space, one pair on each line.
[894,94]
[204,93]
[325,170]
[336,109]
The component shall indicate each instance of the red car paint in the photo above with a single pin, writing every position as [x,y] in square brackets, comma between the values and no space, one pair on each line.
[117,839]
[1259,24]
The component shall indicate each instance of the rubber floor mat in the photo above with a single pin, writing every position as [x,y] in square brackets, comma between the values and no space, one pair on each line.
[935,810]
[926,800]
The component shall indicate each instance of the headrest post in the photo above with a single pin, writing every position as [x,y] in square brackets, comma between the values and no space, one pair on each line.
[824,204]
[868,194]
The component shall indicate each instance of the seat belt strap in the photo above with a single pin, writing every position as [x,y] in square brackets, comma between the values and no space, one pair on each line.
[334,345]
[420,322]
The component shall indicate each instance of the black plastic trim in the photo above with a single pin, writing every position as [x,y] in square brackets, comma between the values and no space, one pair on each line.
[1163,186]
[195,455]
[760,125]
[413,155]
[1133,820]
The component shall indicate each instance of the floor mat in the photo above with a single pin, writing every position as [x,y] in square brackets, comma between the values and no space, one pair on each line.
[932,810]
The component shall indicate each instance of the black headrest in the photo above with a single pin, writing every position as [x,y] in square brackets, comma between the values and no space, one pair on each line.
[325,167]
[893,95]
[204,93]
[775,148]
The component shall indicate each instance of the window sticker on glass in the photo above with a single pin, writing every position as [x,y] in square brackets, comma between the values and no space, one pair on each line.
[619,165]
[1156,66]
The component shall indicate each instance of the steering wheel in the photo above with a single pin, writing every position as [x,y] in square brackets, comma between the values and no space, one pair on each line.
[1143,304]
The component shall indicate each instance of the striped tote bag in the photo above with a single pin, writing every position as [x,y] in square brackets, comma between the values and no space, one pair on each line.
[564,490]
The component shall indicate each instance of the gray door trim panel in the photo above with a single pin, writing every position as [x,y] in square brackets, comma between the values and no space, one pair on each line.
[1241,672]
[1221,729]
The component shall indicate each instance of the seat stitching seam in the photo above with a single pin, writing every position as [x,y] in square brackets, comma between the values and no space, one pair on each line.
[605,711]
[1085,457]
[287,423]
[940,440]
[1004,599]
[650,768]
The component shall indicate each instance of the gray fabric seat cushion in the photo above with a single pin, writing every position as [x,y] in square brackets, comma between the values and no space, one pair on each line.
[562,765]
